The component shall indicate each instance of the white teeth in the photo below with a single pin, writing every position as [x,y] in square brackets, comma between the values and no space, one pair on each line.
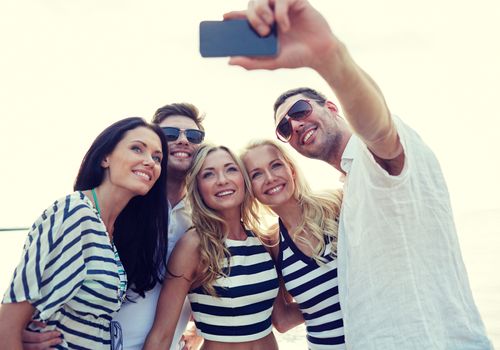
[224,193]
[144,175]
[308,135]
[274,189]
[181,154]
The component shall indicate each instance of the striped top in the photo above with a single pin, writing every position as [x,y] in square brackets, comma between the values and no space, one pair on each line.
[242,310]
[315,288]
[69,273]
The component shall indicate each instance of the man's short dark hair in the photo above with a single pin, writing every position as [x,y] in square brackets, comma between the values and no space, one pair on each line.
[308,92]
[183,109]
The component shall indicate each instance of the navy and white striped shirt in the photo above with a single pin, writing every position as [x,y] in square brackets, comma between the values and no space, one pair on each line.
[242,310]
[315,288]
[69,273]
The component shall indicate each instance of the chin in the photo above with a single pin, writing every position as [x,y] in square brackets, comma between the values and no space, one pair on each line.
[280,197]
[227,206]
[142,191]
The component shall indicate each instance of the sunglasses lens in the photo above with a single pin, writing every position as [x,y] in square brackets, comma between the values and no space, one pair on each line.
[195,136]
[171,134]
[284,129]
[192,135]
[301,109]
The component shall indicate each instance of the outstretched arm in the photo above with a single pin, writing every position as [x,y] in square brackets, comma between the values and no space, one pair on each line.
[306,40]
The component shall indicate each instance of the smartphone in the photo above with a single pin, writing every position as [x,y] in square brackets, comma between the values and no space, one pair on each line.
[235,37]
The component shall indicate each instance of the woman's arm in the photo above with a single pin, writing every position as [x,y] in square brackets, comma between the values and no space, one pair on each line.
[13,319]
[286,312]
[182,271]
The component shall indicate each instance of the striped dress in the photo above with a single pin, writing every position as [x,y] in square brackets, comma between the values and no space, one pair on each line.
[69,273]
[242,310]
[315,288]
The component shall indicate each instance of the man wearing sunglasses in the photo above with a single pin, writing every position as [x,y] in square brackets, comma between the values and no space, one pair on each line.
[402,281]
[183,129]
[182,125]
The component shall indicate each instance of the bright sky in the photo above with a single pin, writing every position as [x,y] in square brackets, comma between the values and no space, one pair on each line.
[69,68]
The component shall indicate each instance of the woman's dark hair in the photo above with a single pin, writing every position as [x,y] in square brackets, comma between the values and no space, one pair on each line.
[140,231]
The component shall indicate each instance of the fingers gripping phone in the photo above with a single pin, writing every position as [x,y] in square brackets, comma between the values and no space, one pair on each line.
[235,37]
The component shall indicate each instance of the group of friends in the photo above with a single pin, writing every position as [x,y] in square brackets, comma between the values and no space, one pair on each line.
[163,227]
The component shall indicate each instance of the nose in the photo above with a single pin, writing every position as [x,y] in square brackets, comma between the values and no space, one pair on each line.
[269,176]
[296,125]
[182,137]
[148,160]
[221,179]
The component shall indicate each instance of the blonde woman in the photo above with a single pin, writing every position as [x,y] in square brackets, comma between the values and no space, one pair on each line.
[306,253]
[220,264]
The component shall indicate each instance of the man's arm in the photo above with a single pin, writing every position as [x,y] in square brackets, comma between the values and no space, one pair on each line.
[306,40]
[40,340]
[13,319]
[190,339]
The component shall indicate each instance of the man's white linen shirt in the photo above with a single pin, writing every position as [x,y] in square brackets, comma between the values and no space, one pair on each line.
[136,318]
[402,280]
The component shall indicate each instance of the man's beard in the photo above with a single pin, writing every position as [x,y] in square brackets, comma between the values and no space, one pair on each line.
[330,148]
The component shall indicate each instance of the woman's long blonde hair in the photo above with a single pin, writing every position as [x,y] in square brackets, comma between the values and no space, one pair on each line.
[320,210]
[210,226]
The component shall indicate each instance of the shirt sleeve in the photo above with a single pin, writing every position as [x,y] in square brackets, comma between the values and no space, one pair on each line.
[52,266]
[373,173]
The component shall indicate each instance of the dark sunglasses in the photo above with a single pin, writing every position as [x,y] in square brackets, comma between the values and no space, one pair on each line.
[299,110]
[192,135]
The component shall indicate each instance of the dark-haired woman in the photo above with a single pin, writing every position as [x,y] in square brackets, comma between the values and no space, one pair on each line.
[71,276]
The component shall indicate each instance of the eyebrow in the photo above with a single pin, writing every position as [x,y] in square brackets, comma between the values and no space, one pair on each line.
[141,142]
[269,163]
[225,166]
[146,145]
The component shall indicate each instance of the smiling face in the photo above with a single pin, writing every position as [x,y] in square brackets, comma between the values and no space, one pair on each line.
[134,165]
[180,151]
[316,136]
[220,182]
[273,180]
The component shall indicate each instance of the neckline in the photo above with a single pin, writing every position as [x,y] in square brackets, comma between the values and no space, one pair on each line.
[247,232]
[305,258]
[95,208]
[94,196]
[302,256]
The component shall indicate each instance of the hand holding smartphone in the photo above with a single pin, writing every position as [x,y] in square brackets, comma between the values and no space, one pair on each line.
[235,37]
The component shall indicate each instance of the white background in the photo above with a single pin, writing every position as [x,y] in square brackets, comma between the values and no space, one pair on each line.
[69,68]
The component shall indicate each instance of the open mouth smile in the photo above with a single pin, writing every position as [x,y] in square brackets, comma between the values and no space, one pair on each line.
[275,189]
[143,174]
[224,193]
[181,154]
[307,135]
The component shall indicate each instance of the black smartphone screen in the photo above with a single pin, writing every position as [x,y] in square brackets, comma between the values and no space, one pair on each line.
[235,38]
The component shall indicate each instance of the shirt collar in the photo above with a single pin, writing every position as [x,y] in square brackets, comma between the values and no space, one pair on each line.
[182,203]
[347,157]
